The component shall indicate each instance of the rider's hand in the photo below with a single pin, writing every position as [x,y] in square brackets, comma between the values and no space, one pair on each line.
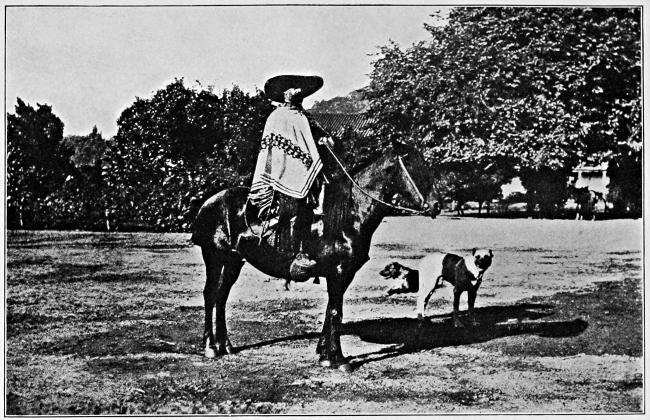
[326,141]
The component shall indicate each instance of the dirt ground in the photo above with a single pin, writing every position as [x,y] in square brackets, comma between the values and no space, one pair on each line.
[102,323]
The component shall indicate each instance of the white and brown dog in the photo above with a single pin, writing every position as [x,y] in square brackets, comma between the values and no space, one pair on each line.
[464,273]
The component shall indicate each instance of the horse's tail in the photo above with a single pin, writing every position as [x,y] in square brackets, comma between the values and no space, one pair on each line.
[205,223]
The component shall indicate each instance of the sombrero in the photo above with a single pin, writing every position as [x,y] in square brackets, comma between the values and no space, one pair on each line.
[275,87]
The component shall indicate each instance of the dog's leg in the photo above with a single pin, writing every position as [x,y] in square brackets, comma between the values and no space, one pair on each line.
[471,298]
[426,301]
[457,293]
[421,303]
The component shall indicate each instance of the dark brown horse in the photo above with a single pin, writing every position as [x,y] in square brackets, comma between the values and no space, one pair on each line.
[340,242]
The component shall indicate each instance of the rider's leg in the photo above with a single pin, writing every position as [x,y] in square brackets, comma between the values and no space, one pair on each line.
[287,208]
[302,225]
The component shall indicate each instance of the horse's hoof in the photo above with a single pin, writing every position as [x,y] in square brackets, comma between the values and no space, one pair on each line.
[230,349]
[345,368]
[210,352]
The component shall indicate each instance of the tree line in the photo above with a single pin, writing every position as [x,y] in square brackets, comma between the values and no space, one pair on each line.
[171,152]
[494,93]
[533,92]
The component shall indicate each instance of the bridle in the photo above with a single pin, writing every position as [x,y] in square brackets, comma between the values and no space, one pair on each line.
[408,177]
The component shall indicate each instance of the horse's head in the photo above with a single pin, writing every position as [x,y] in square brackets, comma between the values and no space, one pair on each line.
[413,183]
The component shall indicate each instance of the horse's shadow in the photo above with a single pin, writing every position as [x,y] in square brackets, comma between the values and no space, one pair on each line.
[409,335]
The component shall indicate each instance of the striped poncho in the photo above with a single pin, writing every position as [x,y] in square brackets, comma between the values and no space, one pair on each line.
[288,161]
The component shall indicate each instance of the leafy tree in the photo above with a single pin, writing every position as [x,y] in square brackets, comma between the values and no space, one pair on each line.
[80,201]
[537,88]
[88,150]
[460,182]
[37,161]
[180,146]
[626,181]
[353,103]
[546,190]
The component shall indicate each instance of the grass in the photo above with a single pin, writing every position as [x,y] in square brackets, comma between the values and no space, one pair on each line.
[112,324]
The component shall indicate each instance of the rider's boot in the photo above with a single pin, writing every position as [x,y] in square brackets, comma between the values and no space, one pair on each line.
[302,264]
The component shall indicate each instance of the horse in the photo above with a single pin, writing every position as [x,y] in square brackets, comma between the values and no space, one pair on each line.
[588,202]
[354,206]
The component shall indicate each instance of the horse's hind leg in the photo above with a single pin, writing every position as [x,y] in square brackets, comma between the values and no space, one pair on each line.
[213,268]
[221,274]
[231,270]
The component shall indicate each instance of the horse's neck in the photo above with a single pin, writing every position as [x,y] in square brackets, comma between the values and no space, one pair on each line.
[351,209]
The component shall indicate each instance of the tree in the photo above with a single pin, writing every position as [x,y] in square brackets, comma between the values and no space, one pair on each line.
[175,149]
[37,161]
[88,149]
[80,201]
[537,88]
[460,183]
[353,103]
[626,181]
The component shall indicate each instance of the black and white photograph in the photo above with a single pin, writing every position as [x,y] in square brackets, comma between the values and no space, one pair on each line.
[324,209]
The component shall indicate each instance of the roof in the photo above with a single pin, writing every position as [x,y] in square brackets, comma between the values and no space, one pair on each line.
[585,168]
[336,124]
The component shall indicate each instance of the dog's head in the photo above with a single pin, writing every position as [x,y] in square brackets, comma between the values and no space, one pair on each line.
[482,258]
[392,270]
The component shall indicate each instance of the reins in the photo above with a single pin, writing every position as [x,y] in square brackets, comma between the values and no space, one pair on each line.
[359,187]
[367,194]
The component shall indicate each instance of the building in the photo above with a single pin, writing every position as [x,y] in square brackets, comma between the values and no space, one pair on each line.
[593,177]
[337,124]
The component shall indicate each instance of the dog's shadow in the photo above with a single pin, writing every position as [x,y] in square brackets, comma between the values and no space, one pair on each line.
[410,335]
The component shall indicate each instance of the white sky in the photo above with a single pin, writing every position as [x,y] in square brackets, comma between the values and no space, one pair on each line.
[90,63]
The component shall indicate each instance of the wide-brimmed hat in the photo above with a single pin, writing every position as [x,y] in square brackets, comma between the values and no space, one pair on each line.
[275,87]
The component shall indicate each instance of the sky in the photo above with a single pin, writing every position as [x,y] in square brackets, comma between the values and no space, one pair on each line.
[90,63]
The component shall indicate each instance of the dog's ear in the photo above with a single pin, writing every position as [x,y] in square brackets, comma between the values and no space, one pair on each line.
[491,254]
[473,251]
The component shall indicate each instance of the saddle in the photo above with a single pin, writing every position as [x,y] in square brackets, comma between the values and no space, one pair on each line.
[281,235]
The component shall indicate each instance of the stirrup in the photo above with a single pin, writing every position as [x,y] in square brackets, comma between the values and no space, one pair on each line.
[301,267]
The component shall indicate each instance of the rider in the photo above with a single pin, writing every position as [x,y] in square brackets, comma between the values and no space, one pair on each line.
[289,161]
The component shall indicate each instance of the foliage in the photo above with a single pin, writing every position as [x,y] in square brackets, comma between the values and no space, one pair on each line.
[177,148]
[353,103]
[625,172]
[460,182]
[546,190]
[533,88]
[37,161]
[88,150]
[80,202]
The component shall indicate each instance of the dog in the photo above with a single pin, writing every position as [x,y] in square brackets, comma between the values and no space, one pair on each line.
[406,279]
[464,273]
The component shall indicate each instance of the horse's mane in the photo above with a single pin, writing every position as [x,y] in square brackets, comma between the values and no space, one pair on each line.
[338,201]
